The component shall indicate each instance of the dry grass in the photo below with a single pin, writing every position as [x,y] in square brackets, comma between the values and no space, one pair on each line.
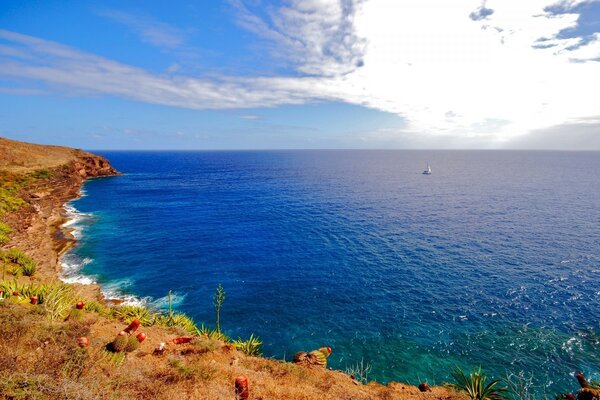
[26,157]
[39,359]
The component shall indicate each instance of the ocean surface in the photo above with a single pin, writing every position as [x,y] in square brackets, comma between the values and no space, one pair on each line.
[492,260]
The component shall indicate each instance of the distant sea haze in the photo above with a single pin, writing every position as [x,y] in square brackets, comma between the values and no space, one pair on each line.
[492,260]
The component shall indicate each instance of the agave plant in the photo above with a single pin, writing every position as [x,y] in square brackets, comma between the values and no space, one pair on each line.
[477,387]
[180,320]
[129,313]
[57,301]
[250,347]
[213,334]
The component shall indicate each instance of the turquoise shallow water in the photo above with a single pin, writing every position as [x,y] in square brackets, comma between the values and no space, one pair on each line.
[493,260]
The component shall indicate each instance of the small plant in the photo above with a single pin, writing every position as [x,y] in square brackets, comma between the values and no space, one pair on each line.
[57,300]
[130,313]
[520,385]
[126,341]
[360,371]
[213,334]
[250,347]
[24,264]
[218,300]
[115,358]
[184,371]
[134,342]
[476,385]
[5,230]
[120,342]
[314,358]
[180,320]
[41,174]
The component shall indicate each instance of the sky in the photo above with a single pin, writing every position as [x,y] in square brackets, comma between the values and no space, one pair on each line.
[301,74]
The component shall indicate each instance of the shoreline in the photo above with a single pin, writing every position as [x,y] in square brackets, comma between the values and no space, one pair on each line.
[67,244]
[40,227]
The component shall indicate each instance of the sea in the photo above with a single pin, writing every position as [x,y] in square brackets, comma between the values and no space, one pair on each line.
[492,261]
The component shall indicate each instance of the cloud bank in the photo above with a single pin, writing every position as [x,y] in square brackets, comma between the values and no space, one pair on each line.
[488,71]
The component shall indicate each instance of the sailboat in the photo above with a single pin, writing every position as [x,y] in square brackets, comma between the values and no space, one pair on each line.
[428,170]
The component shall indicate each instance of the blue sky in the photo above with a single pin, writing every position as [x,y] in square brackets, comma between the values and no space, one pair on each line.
[247,74]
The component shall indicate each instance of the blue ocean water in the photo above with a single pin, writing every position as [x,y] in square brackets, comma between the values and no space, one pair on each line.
[492,260]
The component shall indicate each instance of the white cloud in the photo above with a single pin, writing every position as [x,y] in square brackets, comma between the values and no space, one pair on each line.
[317,36]
[501,74]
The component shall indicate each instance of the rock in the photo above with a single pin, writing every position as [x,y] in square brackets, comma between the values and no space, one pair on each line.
[424,387]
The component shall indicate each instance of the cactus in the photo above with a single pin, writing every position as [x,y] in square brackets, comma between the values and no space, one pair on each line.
[134,342]
[317,358]
[120,342]
[326,351]
[133,326]
[313,358]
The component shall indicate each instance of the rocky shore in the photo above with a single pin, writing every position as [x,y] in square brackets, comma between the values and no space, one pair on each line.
[37,226]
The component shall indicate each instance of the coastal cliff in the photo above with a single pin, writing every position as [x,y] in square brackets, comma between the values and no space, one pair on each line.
[57,176]
[49,350]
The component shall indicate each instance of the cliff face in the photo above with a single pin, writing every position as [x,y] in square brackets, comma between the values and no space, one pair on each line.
[36,225]
[89,165]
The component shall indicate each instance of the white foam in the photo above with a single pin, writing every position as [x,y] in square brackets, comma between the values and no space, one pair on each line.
[162,303]
[115,291]
[72,266]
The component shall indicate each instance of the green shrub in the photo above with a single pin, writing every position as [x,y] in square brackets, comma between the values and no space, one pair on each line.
[129,313]
[250,347]
[213,334]
[9,202]
[26,265]
[476,386]
[180,320]
[41,174]
[57,300]
[5,230]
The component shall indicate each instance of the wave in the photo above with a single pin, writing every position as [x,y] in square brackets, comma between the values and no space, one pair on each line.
[72,265]
[76,221]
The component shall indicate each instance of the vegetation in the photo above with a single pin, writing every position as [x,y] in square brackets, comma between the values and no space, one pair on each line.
[250,347]
[5,231]
[11,184]
[360,371]
[476,386]
[218,300]
[23,264]
[128,313]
